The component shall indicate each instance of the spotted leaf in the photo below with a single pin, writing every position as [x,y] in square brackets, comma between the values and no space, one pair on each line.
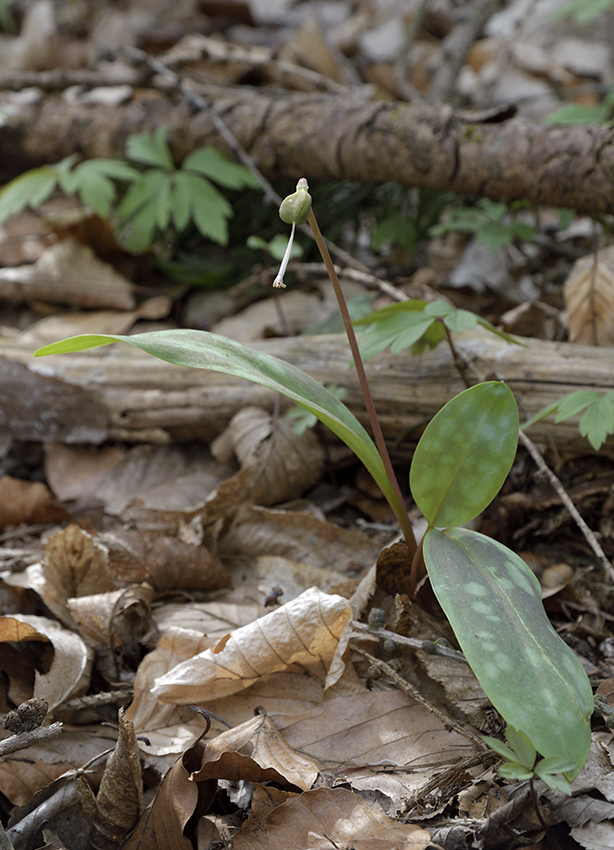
[493,602]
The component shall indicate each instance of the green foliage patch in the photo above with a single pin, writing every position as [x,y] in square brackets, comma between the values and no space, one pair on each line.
[146,197]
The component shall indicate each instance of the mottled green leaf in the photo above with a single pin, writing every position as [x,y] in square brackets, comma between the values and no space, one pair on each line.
[465,454]
[493,602]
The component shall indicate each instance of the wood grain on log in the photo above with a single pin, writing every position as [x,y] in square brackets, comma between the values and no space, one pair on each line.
[150,400]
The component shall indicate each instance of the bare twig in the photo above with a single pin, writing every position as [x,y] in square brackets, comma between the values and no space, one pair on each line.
[409,689]
[26,739]
[361,630]
[589,535]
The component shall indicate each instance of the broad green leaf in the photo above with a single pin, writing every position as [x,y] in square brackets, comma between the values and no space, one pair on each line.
[465,454]
[556,764]
[150,149]
[493,602]
[137,233]
[213,164]
[31,189]
[204,350]
[415,305]
[398,329]
[162,203]
[558,783]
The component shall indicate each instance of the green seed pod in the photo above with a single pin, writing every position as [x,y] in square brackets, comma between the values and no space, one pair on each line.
[295,208]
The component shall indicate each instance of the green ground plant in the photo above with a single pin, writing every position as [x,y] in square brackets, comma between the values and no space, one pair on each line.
[597,421]
[489,595]
[145,194]
[495,224]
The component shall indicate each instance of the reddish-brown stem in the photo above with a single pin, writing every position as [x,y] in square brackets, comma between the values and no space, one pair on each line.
[400,512]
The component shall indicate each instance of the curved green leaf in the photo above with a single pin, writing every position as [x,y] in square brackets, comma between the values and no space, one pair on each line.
[493,602]
[204,350]
[465,454]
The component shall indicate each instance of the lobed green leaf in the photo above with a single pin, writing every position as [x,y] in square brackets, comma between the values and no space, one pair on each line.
[212,163]
[150,149]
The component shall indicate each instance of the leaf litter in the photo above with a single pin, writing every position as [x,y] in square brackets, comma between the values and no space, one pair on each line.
[211,592]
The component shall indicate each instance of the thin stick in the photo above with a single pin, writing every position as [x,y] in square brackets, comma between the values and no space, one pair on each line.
[409,689]
[400,512]
[589,535]
[26,739]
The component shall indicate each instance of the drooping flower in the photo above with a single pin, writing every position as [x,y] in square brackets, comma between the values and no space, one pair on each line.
[293,210]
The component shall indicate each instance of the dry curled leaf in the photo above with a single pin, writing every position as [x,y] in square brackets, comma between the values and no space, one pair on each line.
[164,822]
[120,797]
[267,756]
[325,818]
[75,564]
[313,630]
[281,464]
[66,806]
[69,672]
[165,562]
[589,299]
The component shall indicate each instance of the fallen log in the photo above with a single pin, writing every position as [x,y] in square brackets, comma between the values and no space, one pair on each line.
[152,401]
[324,137]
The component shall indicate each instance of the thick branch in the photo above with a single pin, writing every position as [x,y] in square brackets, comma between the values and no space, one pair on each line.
[327,137]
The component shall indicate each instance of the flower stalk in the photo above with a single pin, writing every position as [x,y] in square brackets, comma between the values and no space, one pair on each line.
[296,209]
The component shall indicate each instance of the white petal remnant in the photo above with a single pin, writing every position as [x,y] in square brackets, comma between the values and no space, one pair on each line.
[279,280]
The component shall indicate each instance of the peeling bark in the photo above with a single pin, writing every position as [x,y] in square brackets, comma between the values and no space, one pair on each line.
[326,137]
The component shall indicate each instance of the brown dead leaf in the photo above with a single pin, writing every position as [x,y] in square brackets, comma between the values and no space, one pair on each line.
[165,562]
[75,564]
[374,728]
[66,806]
[163,823]
[589,299]
[325,818]
[276,464]
[69,672]
[312,630]
[161,478]
[268,758]
[169,729]
[118,619]
[48,759]
[27,502]
[120,797]
[74,472]
[300,537]
[52,328]
[68,273]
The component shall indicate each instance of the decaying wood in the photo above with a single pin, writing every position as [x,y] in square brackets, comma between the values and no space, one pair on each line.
[328,137]
[150,400]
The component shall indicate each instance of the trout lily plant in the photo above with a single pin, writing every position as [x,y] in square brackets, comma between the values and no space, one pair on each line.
[489,595]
